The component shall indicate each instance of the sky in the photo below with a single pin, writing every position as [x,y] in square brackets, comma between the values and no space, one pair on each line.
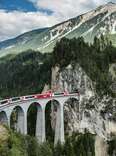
[19,16]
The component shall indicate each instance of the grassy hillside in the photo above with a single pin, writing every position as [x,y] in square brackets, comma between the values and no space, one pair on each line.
[18,145]
[15,144]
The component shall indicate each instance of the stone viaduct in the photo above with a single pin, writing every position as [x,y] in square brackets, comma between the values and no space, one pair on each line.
[22,107]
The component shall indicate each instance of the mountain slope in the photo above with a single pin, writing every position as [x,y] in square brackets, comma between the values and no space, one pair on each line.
[99,21]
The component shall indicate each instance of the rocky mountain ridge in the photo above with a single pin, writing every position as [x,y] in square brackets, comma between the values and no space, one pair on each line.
[101,20]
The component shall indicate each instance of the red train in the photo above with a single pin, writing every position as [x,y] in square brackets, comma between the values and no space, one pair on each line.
[48,94]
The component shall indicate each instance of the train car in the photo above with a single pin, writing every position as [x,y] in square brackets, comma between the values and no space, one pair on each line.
[61,93]
[58,93]
[6,101]
[66,93]
[44,95]
[28,97]
[14,99]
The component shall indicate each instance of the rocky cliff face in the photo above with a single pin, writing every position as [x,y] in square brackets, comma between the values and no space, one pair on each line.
[91,112]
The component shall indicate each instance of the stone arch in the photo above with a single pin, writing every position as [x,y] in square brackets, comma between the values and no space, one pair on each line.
[17,119]
[34,110]
[71,115]
[51,119]
[3,118]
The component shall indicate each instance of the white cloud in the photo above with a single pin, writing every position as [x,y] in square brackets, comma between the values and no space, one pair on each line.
[68,8]
[17,22]
[64,8]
